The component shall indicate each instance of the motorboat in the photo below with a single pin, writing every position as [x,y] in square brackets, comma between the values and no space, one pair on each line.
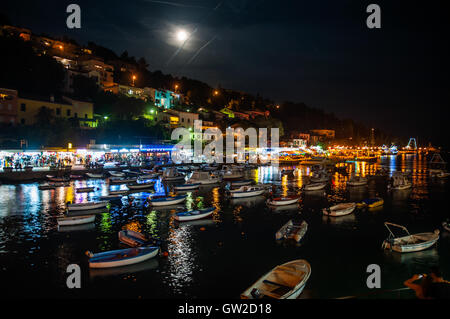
[166,200]
[341,209]
[121,257]
[409,243]
[246,191]
[194,214]
[204,178]
[284,200]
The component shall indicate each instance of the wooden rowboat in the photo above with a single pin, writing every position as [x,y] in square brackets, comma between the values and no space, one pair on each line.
[134,239]
[286,281]
[409,243]
[292,230]
[339,209]
[281,201]
[314,186]
[121,257]
[75,220]
[195,214]
[246,191]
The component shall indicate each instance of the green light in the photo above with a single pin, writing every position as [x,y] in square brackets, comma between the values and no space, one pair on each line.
[105,117]
[152,111]
[190,129]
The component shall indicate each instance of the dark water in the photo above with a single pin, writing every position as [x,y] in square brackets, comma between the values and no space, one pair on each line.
[222,256]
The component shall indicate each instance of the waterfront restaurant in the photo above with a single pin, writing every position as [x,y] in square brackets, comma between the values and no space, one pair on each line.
[94,154]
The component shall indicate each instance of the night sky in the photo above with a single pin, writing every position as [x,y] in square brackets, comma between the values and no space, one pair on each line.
[317,52]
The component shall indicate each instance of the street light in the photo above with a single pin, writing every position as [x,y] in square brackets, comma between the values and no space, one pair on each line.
[216,92]
[134,78]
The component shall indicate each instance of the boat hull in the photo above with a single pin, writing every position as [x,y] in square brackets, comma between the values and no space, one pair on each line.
[68,221]
[124,261]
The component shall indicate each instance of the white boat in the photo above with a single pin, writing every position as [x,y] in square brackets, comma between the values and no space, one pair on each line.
[204,178]
[281,201]
[171,174]
[84,189]
[339,209]
[232,174]
[116,174]
[75,220]
[319,178]
[409,243]
[87,206]
[166,200]
[246,191]
[187,186]
[314,186]
[92,175]
[121,257]
[357,181]
[194,214]
[243,182]
[286,281]
[148,176]
[292,230]
[140,185]
[400,182]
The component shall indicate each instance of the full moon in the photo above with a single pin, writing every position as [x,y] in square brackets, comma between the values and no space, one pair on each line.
[182,35]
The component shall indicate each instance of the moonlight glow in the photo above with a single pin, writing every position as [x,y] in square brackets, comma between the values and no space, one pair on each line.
[182,35]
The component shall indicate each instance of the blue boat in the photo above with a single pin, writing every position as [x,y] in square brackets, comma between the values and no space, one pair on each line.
[194,214]
[121,257]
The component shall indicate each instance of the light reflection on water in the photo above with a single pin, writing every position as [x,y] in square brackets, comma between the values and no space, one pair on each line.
[242,227]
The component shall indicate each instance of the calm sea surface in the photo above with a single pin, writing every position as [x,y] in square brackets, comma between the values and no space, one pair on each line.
[222,256]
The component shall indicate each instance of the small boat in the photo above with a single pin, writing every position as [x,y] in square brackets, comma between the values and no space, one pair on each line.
[148,176]
[87,206]
[111,197]
[121,257]
[280,201]
[130,172]
[204,178]
[166,200]
[134,239]
[187,186]
[56,179]
[246,191]
[357,181]
[140,185]
[84,189]
[371,202]
[232,174]
[287,171]
[319,178]
[286,281]
[118,180]
[339,209]
[119,192]
[442,174]
[194,214]
[400,182]
[314,186]
[116,174]
[292,230]
[46,186]
[243,182]
[446,226]
[75,176]
[409,243]
[171,174]
[92,175]
[75,220]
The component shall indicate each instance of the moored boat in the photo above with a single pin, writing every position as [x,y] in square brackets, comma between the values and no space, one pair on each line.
[166,200]
[116,174]
[280,201]
[46,186]
[243,182]
[92,175]
[357,181]
[371,202]
[314,186]
[119,180]
[140,185]
[87,205]
[56,179]
[75,220]
[134,239]
[204,178]
[194,214]
[171,174]
[409,243]
[341,209]
[246,191]
[286,281]
[121,257]
[187,186]
[119,192]
[84,189]
[292,230]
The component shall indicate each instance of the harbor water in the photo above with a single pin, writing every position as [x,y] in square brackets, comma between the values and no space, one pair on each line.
[221,256]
